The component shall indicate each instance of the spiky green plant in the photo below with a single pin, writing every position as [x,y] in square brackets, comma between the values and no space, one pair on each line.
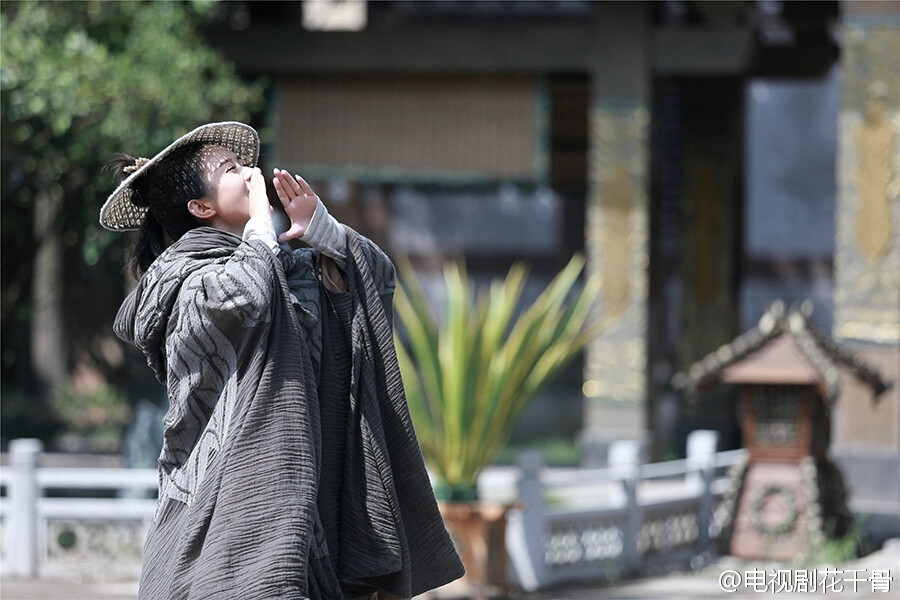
[468,376]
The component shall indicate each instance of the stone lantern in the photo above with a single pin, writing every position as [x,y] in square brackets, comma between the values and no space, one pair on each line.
[788,496]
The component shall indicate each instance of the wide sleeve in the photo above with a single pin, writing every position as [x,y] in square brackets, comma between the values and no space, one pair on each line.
[237,291]
[334,239]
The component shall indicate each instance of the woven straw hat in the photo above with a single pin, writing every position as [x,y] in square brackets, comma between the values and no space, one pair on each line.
[118,212]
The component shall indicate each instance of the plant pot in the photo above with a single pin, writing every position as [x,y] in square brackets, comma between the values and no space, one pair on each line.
[479,531]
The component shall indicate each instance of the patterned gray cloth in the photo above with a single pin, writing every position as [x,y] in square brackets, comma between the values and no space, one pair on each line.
[236,334]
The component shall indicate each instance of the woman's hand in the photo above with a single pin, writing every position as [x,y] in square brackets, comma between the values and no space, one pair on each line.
[299,202]
[256,187]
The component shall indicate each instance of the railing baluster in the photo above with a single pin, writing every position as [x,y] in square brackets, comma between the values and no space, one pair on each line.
[625,461]
[23,494]
[701,458]
[528,553]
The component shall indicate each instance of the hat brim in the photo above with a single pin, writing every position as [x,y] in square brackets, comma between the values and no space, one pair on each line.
[120,214]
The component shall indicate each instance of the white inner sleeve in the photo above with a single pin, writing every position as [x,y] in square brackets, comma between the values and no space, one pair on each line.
[326,235]
[260,227]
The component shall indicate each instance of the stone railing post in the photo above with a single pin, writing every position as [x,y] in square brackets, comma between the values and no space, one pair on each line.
[25,456]
[525,538]
[625,461]
[701,459]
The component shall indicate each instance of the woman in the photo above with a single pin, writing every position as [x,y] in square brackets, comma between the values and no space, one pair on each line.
[289,466]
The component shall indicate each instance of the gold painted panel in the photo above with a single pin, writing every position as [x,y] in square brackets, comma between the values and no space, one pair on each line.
[867,254]
[617,247]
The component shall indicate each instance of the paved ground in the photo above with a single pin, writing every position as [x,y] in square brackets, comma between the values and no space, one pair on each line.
[703,585]
[66,590]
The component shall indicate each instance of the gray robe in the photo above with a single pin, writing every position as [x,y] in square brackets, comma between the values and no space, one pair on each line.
[249,505]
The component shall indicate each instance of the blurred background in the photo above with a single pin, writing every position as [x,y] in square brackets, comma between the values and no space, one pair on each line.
[708,158]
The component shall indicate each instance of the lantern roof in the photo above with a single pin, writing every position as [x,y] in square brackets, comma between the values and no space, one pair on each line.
[783,349]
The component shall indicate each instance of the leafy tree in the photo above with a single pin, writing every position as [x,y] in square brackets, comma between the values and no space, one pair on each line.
[80,81]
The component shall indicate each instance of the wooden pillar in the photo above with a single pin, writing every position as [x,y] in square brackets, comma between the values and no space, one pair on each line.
[867,248]
[867,262]
[866,435]
[616,234]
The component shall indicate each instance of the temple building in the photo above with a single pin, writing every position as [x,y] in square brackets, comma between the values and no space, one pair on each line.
[707,157]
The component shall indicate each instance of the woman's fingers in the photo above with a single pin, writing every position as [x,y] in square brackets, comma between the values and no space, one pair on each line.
[280,191]
[304,187]
[259,201]
[290,186]
[286,188]
[295,185]
[299,202]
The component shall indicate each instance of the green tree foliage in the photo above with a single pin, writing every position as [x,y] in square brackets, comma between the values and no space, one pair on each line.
[81,81]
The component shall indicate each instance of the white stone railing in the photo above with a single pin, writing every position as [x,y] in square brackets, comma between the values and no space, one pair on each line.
[42,531]
[573,525]
[620,521]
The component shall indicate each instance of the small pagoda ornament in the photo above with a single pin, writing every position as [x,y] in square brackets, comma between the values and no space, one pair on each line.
[788,497]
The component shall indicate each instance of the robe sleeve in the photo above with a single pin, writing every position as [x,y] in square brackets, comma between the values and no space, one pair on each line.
[238,290]
[331,238]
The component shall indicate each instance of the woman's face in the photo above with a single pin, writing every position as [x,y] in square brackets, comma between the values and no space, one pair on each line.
[227,180]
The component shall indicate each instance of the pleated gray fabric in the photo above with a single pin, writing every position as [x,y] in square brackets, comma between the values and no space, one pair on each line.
[290,467]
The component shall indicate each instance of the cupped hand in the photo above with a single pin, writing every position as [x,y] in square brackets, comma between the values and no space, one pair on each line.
[299,202]
[256,187]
